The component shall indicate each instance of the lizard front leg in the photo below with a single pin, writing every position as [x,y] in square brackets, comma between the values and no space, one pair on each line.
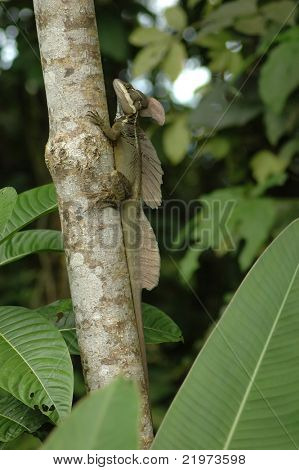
[112,133]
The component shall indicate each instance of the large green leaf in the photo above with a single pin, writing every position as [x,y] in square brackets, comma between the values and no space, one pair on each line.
[280,75]
[29,206]
[35,363]
[27,242]
[242,391]
[106,419]
[24,441]
[158,327]
[16,418]
[8,197]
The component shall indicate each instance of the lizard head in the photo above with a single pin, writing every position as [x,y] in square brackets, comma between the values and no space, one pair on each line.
[132,100]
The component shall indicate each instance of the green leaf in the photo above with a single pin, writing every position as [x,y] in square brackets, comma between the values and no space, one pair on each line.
[291,34]
[214,41]
[221,58]
[176,140]
[176,18]
[22,442]
[215,110]
[278,125]
[193,3]
[29,206]
[252,25]
[61,314]
[274,180]
[226,60]
[149,57]
[16,418]
[213,227]
[279,75]
[106,419]
[275,126]
[174,61]
[253,220]
[144,36]
[158,327]
[219,147]
[189,263]
[282,12]
[228,216]
[8,197]
[242,391]
[35,363]
[29,241]
[288,150]
[265,164]
[230,10]
[215,27]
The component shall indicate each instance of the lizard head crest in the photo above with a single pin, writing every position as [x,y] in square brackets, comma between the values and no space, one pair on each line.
[154,110]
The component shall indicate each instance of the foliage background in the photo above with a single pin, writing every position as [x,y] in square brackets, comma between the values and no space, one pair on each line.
[237,142]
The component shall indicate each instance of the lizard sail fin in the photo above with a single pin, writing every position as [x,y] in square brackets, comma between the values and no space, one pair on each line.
[149,255]
[151,172]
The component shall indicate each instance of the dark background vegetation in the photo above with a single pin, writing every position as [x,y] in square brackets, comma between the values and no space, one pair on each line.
[238,143]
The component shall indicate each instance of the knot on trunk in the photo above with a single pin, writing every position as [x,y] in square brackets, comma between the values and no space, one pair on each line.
[77,153]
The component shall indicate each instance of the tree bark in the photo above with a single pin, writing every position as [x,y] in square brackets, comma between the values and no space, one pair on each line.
[81,163]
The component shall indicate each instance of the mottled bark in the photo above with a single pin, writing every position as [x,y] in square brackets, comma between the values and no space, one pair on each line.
[81,163]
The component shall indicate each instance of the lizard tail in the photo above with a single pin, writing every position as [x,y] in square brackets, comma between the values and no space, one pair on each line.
[133,232]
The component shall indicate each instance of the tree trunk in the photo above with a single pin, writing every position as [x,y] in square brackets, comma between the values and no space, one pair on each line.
[81,163]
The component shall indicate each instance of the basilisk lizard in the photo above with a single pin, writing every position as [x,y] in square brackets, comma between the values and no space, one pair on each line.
[137,160]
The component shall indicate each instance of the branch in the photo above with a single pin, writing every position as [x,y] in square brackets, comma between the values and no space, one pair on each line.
[81,165]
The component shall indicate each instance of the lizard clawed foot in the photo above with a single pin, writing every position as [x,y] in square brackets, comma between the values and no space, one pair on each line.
[95,118]
[111,133]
